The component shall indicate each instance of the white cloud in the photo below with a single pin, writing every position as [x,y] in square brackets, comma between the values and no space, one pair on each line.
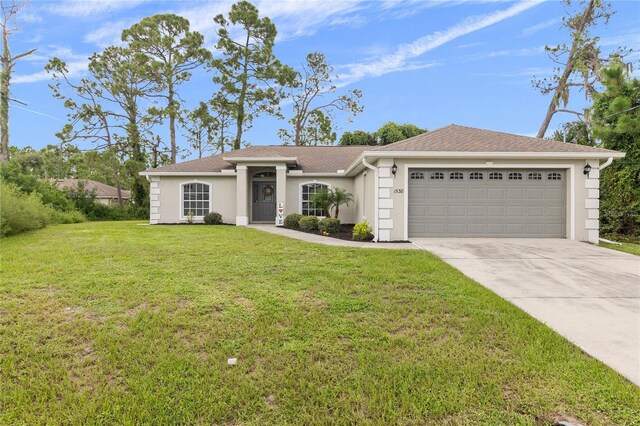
[76,69]
[527,51]
[400,60]
[76,64]
[85,8]
[539,27]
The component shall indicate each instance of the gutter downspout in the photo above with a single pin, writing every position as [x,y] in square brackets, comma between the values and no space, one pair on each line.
[606,163]
[375,198]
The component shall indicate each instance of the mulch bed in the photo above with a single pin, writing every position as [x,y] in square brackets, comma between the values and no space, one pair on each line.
[346,233]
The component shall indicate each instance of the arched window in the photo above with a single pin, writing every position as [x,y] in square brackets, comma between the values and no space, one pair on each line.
[476,176]
[436,176]
[456,176]
[515,176]
[534,176]
[554,176]
[416,175]
[196,198]
[495,176]
[262,175]
[308,191]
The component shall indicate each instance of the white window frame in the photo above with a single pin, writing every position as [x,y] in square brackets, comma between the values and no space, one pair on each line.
[315,182]
[181,199]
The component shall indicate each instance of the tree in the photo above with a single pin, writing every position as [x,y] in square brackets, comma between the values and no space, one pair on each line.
[200,129]
[9,11]
[172,51]
[312,113]
[357,137]
[574,132]
[105,108]
[248,71]
[581,61]
[321,201]
[392,132]
[339,197]
[616,122]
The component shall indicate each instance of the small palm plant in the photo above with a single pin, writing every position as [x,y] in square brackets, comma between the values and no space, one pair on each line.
[322,201]
[339,197]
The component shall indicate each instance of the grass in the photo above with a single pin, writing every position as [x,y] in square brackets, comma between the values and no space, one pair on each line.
[628,244]
[114,323]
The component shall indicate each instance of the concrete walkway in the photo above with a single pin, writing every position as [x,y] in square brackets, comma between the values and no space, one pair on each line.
[588,294]
[312,238]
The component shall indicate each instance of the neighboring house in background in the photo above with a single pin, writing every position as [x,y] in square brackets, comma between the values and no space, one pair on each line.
[105,194]
[452,182]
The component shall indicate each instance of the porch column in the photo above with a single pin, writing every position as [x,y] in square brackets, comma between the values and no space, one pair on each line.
[281,194]
[242,215]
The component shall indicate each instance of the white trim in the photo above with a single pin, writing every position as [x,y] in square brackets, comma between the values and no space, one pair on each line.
[181,199]
[477,155]
[376,198]
[234,160]
[571,211]
[328,185]
[294,173]
[226,172]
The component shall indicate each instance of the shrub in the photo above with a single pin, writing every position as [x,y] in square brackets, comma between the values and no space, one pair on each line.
[213,218]
[362,231]
[73,216]
[329,225]
[309,223]
[20,212]
[292,221]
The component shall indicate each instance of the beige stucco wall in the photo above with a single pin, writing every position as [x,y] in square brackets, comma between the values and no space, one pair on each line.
[347,214]
[223,197]
[581,212]
[585,192]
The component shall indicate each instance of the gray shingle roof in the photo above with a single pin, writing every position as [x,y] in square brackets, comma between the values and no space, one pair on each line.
[311,159]
[468,139]
[330,159]
[102,189]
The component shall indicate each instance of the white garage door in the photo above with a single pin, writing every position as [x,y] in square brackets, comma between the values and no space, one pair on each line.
[487,203]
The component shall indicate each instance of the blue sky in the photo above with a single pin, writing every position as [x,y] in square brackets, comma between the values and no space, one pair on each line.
[431,63]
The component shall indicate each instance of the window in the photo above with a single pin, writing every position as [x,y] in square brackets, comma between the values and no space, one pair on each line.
[264,175]
[495,176]
[195,198]
[476,176]
[436,176]
[515,176]
[308,191]
[417,175]
[554,176]
[456,176]
[535,176]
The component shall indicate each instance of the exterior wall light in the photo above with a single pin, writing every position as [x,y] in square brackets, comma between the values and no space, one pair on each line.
[587,169]
[394,169]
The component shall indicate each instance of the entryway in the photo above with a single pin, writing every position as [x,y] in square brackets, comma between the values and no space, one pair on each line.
[263,207]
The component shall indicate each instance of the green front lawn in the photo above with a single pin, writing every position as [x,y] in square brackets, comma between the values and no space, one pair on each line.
[116,323]
[625,247]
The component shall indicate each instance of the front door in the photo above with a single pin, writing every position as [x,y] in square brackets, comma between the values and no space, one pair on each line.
[264,202]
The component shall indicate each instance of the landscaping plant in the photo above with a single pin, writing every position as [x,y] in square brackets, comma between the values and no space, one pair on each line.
[329,225]
[362,230]
[309,223]
[213,218]
[292,221]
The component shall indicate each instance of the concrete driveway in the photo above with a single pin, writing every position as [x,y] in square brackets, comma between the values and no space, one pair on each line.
[588,294]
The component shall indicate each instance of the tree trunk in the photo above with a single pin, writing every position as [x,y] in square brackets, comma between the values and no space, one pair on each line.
[5,79]
[243,94]
[172,124]
[568,69]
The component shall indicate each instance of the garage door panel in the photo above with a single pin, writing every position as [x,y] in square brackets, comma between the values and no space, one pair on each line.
[476,194]
[507,207]
[496,193]
[457,193]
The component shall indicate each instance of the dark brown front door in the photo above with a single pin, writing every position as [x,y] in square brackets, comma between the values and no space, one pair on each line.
[264,202]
